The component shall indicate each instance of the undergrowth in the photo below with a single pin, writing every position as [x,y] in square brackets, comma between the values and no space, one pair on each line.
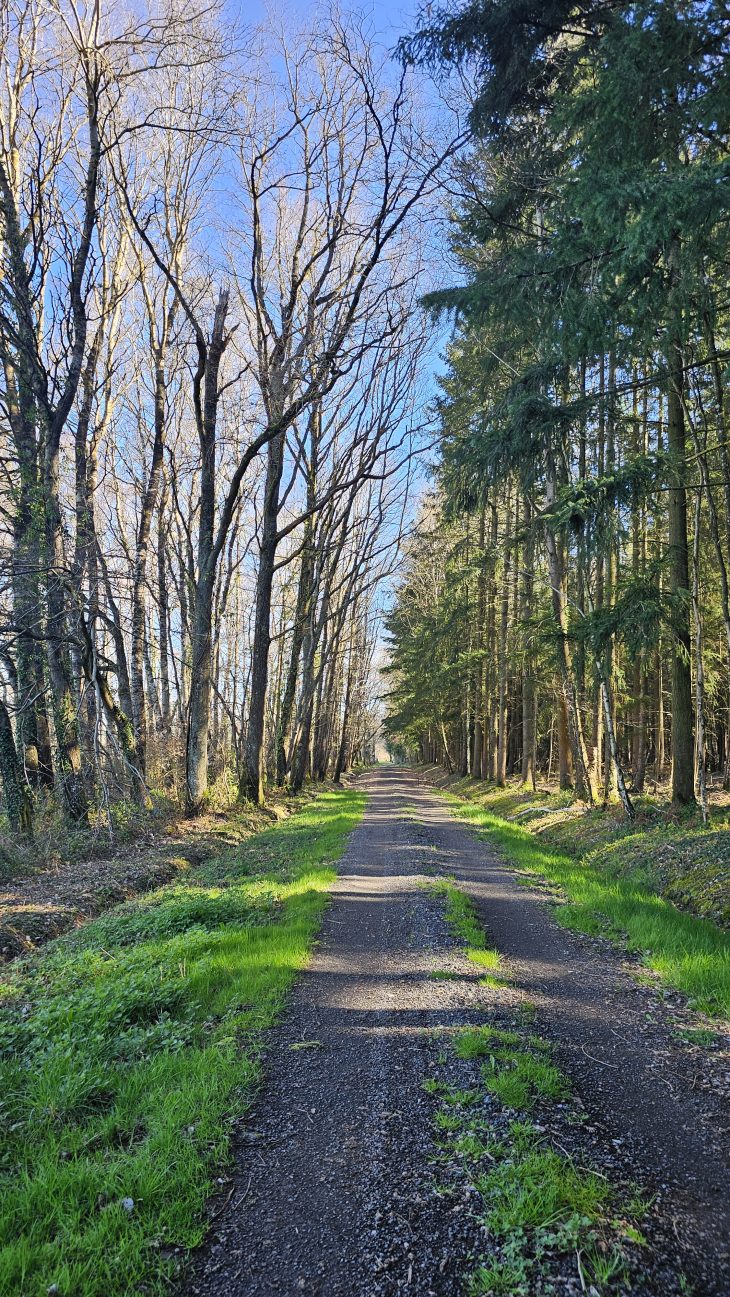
[126,1047]
[690,954]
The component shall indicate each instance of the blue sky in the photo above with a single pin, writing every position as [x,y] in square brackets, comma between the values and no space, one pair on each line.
[391,18]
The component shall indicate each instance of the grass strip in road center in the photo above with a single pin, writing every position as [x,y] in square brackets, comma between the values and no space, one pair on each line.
[552,1223]
[463,922]
[126,1047]
[691,955]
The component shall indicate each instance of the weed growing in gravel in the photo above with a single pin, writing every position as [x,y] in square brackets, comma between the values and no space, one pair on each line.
[463,923]
[539,1189]
[698,1036]
[536,1202]
[520,1078]
[690,954]
[123,1048]
[476,1042]
[516,1071]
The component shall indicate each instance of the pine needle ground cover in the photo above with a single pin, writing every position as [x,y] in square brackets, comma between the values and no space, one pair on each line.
[126,1048]
[616,891]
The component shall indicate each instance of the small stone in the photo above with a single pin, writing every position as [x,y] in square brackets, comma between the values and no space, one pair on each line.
[52,1288]
[128,1205]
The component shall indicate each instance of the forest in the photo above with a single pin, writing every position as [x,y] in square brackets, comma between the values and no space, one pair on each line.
[364,648]
[209,405]
[568,578]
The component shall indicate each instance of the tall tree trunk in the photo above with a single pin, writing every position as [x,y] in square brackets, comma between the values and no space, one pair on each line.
[583,774]
[301,611]
[565,754]
[34,740]
[489,755]
[341,762]
[478,740]
[163,597]
[251,787]
[607,683]
[701,754]
[682,730]
[502,648]
[638,564]
[528,669]
[205,387]
[65,715]
[139,584]
[17,797]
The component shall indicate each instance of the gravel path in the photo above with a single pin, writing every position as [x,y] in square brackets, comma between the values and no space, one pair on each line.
[333,1190]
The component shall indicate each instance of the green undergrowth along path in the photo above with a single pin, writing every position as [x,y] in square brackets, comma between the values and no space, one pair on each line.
[126,1048]
[690,954]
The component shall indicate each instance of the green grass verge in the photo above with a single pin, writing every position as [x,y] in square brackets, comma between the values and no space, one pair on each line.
[690,954]
[669,849]
[126,1047]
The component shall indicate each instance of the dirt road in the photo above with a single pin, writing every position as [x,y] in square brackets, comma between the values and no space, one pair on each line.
[334,1192]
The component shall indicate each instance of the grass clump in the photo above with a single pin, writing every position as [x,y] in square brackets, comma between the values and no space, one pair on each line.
[463,923]
[519,1079]
[124,1047]
[476,1042]
[517,1071]
[690,954]
[698,1036]
[540,1189]
[537,1203]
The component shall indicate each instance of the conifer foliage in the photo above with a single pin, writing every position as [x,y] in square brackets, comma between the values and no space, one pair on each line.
[565,604]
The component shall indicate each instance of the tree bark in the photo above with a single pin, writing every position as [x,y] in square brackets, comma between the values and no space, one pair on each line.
[583,775]
[528,670]
[251,787]
[682,727]
[17,797]
[139,584]
[205,387]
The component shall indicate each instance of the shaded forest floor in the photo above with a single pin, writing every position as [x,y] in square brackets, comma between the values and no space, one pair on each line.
[62,879]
